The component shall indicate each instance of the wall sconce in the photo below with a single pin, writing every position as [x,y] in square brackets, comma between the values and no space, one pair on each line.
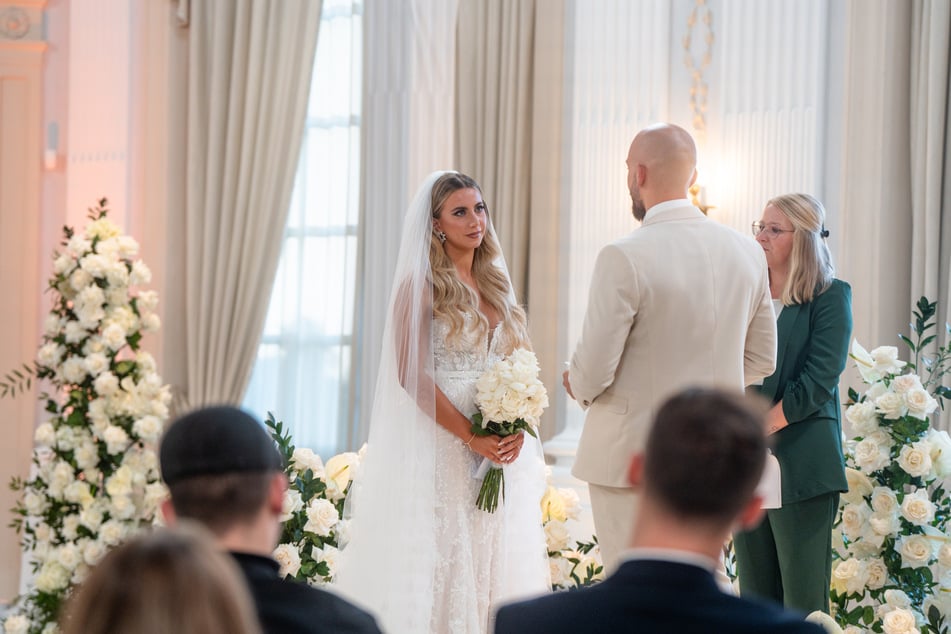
[50,157]
[698,197]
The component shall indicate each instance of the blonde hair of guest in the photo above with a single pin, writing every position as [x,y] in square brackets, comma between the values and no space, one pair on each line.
[810,262]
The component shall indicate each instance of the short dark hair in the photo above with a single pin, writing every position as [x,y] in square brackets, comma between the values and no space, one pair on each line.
[221,501]
[705,453]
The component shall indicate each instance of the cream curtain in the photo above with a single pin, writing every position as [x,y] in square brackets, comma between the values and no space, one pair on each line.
[249,67]
[930,164]
[494,77]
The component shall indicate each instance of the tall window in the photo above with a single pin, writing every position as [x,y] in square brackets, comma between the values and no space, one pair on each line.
[302,372]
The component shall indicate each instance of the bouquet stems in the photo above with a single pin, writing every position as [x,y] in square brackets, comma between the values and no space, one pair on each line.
[492,485]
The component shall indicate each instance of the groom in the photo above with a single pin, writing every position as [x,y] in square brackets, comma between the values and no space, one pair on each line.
[680,301]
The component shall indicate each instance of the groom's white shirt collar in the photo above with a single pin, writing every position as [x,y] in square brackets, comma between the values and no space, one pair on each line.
[669,554]
[667,205]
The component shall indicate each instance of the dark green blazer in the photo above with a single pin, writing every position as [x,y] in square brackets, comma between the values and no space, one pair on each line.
[812,350]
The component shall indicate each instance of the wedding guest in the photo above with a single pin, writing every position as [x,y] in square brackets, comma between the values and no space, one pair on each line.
[224,472]
[421,552]
[788,558]
[680,301]
[697,478]
[167,581]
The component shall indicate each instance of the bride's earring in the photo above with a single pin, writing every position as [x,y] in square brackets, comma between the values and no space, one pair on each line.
[441,235]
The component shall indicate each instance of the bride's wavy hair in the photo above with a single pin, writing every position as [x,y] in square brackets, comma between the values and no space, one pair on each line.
[452,298]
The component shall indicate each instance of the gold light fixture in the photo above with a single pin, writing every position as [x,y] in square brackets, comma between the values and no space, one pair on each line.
[698,197]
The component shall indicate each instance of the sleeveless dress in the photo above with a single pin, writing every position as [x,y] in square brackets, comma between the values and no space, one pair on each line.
[483,559]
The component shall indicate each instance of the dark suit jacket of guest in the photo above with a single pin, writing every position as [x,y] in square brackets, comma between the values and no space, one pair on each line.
[647,596]
[288,607]
[813,348]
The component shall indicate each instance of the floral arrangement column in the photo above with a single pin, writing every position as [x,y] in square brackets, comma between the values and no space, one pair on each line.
[96,477]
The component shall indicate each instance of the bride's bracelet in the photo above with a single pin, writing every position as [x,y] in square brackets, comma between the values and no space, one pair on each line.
[471,438]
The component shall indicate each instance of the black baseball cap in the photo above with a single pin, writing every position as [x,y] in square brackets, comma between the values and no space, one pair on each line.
[216,440]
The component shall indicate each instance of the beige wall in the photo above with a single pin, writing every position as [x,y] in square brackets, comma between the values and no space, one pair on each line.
[21,144]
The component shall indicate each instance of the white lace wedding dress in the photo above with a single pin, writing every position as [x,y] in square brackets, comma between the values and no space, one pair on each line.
[482,559]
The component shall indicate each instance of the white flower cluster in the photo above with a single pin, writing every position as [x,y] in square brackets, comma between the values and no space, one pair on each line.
[312,510]
[892,529]
[96,478]
[569,566]
[511,390]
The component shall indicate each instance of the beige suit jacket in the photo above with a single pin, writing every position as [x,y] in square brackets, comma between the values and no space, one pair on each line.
[682,301]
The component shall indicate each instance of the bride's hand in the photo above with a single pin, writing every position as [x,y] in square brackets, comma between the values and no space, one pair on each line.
[497,449]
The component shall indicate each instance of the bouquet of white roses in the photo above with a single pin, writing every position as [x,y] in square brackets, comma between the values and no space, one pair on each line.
[96,479]
[313,532]
[891,539]
[511,399]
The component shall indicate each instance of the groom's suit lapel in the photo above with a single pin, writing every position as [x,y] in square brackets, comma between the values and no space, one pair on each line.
[786,328]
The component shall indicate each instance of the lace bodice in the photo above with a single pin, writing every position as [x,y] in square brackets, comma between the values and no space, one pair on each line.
[459,364]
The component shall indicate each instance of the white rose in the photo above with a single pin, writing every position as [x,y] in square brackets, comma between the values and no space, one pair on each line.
[52,577]
[859,486]
[146,362]
[289,559]
[906,383]
[915,551]
[73,370]
[571,501]
[114,336]
[52,324]
[328,555]
[915,459]
[151,322]
[94,264]
[117,295]
[99,414]
[920,403]
[890,405]
[86,455]
[560,569]
[854,519]
[877,573]
[91,518]
[79,493]
[884,524]
[80,279]
[940,443]
[70,526]
[304,459]
[900,621]
[61,476]
[122,507]
[33,503]
[140,274]
[69,556]
[884,500]
[863,417]
[556,536]
[849,576]
[50,354]
[944,555]
[117,274]
[111,532]
[45,435]
[918,508]
[128,247]
[101,228]
[148,428]
[16,624]
[870,455]
[78,244]
[292,504]
[96,364]
[897,599]
[116,439]
[322,515]
[42,532]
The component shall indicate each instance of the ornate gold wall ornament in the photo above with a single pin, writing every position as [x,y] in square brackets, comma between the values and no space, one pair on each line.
[698,88]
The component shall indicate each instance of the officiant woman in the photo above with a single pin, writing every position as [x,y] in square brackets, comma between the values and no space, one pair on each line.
[788,557]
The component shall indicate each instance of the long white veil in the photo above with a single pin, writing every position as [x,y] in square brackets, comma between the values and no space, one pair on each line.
[387,565]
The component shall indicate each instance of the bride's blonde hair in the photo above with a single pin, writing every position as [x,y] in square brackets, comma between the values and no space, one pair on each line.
[452,298]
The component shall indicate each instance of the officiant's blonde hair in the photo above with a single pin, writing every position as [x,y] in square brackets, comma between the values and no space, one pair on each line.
[810,262]
[452,298]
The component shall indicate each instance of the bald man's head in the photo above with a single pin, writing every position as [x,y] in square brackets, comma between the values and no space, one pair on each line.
[661,165]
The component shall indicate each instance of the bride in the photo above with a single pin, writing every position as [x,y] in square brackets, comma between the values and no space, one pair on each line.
[421,554]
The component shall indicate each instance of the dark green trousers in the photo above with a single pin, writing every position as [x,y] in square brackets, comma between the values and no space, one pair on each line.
[788,557]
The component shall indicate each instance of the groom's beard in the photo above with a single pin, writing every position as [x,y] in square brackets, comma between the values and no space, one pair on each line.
[637,204]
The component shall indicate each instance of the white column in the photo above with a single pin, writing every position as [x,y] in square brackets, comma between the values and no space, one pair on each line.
[21,165]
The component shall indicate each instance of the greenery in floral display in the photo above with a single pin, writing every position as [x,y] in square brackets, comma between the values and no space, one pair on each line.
[892,559]
[313,531]
[95,478]
[571,568]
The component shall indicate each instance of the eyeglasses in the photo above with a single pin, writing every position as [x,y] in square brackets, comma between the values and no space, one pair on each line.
[772,231]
